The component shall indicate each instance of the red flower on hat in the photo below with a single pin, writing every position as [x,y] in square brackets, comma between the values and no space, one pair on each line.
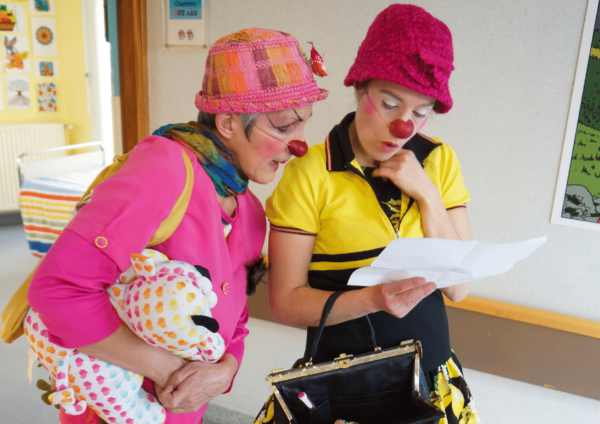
[426,69]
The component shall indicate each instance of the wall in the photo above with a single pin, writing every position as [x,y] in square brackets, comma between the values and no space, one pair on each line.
[72,106]
[515,65]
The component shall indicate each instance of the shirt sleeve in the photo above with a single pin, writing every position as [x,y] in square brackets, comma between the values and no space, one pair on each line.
[237,344]
[443,168]
[126,209]
[69,288]
[293,206]
[69,292]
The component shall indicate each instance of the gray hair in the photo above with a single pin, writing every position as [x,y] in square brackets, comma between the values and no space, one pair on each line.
[208,120]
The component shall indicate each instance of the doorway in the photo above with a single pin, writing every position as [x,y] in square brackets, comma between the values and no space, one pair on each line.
[100,90]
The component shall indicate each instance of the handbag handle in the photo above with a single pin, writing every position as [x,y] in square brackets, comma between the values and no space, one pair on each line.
[326,310]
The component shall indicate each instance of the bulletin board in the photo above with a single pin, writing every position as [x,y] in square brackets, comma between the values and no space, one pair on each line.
[29,56]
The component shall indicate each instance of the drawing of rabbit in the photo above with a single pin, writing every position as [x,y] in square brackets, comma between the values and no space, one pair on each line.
[14,57]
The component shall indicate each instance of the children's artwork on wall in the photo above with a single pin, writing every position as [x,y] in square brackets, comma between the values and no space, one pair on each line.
[577,195]
[41,7]
[17,92]
[47,97]
[45,68]
[8,19]
[12,18]
[16,53]
[44,36]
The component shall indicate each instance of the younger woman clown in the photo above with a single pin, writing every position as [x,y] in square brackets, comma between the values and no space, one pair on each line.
[376,178]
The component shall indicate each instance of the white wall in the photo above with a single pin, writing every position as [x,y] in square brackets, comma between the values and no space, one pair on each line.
[515,64]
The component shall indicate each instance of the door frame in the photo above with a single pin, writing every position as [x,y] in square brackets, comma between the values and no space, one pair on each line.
[133,71]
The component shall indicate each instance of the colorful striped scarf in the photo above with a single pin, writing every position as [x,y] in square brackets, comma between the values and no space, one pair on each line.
[215,157]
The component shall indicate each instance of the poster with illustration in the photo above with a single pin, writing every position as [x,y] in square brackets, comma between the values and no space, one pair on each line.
[45,7]
[577,195]
[17,57]
[45,68]
[43,31]
[12,18]
[47,97]
[17,92]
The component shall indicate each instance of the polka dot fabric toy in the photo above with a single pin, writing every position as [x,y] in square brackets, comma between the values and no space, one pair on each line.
[166,303]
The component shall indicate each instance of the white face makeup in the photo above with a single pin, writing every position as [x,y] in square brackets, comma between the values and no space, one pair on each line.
[270,142]
[387,116]
[284,126]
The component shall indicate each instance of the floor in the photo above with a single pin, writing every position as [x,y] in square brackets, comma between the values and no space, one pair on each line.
[269,346]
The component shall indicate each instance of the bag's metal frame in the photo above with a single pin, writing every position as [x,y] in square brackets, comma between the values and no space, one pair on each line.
[344,361]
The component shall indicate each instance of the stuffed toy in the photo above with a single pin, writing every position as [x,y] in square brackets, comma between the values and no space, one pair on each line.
[166,303]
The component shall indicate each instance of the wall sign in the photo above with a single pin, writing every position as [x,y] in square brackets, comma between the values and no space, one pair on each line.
[186,23]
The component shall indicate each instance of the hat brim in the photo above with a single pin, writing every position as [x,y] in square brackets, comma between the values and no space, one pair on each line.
[224,104]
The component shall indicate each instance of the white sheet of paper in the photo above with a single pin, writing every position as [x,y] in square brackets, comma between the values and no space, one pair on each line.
[445,262]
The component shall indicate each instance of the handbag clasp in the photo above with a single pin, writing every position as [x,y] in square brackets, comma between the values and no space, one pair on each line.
[344,361]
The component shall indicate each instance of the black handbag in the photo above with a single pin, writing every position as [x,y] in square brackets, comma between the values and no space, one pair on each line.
[381,387]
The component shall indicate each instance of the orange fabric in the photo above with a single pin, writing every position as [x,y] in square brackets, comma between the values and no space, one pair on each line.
[50,196]
[236,77]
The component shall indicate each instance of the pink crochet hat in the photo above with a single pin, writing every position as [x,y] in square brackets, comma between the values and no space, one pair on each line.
[257,70]
[408,46]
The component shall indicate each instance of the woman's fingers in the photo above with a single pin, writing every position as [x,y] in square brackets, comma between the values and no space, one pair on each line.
[179,376]
[400,297]
[196,384]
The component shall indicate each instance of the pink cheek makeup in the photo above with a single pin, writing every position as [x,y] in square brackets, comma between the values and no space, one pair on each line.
[297,148]
[369,107]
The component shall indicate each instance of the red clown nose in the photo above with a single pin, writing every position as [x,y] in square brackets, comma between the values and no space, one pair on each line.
[297,148]
[402,129]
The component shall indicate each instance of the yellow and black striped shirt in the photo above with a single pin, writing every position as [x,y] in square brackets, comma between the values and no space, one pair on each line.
[353,217]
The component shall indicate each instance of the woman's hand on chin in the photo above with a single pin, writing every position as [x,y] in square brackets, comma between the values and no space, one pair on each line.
[405,171]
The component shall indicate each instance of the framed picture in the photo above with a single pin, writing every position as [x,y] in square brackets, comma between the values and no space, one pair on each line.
[44,36]
[47,97]
[186,24]
[17,57]
[577,195]
[46,68]
[17,92]
[43,7]
[12,18]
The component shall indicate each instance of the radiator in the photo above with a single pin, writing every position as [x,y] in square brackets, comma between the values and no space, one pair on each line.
[20,138]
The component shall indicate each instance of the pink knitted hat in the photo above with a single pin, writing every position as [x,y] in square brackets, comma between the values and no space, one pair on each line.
[408,46]
[257,70]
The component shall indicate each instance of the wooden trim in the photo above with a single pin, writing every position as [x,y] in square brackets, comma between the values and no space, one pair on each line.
[525,344]
[528,315]
[534,354]
[133,71]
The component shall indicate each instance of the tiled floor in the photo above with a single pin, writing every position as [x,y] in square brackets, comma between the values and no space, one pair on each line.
[269,346]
